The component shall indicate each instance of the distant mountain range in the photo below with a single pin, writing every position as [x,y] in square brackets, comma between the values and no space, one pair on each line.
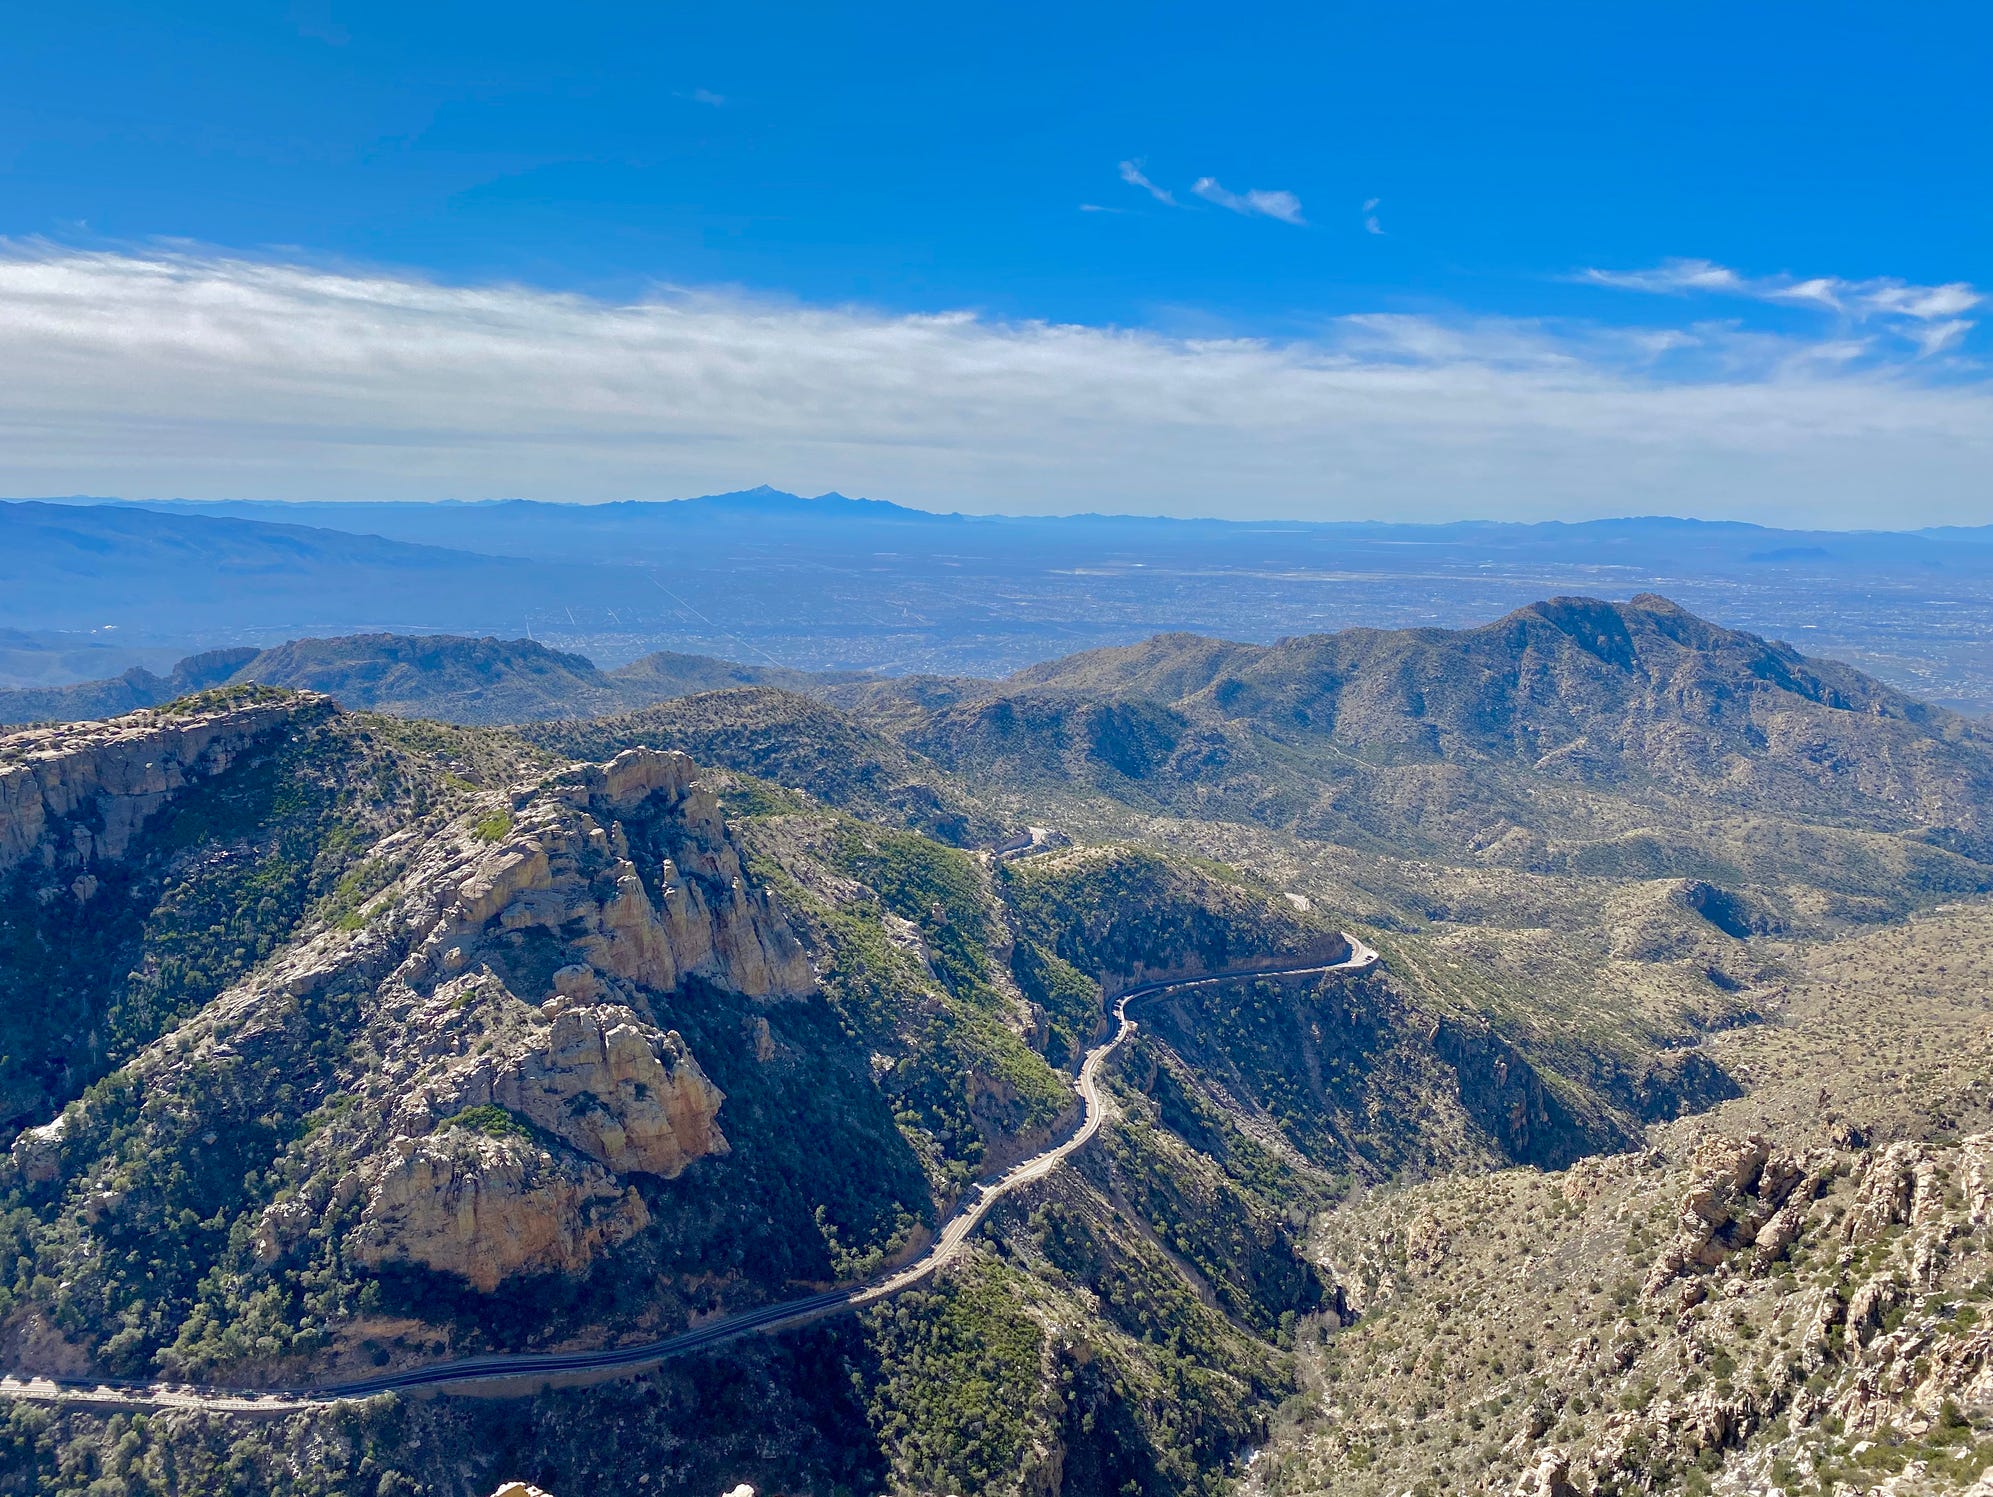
[839,584]
[599,532]
[446,677]
[1453,742]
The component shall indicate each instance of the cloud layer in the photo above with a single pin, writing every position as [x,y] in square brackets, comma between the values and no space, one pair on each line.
[157,374]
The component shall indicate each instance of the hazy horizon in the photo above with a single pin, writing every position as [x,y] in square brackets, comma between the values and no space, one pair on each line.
[1354,521]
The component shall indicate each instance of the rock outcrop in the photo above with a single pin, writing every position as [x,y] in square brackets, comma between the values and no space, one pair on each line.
[615,1088]
[1745,1193]
[508,978]
[486,1208]
[631,869]
[570,862]
[77,793]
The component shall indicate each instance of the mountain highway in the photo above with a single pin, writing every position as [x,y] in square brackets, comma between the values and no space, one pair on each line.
[503,1374]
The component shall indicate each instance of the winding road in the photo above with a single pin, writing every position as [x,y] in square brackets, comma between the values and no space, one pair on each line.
[506,1374]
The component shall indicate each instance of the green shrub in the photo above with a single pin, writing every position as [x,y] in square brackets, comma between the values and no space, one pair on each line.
[493,1122]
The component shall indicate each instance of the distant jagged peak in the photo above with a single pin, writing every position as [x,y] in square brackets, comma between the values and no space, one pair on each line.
[764,499]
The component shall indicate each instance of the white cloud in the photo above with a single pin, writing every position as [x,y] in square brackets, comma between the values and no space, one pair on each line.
[1370,223]
[1284,206]
[158,373]
[1927,316]
[1936,337]
[707,96]
[1674,276]
[1131,173]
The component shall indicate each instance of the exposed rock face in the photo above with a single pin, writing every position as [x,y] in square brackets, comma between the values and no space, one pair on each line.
[77,793]
[633,871]
[617,1090]
[37,1153]
[572,857]
[1745,1193]
[1550,1477]
[486,1208]
[515,971]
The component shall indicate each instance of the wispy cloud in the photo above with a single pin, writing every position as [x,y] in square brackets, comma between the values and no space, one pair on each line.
[206,375]
[706,96]
[1132,174]
[1284,206]
[1370,223]
[1928,316]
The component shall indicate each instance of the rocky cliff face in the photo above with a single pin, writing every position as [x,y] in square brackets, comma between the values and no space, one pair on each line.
[148,862]
[510,1079]
[77,793]
[599,1091]
[637,864]
[485,1208]
[580,1098]
[613,1087]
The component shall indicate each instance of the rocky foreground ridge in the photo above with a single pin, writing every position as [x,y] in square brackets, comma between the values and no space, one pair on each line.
[75,793]
[1752,1316]
[506,1076]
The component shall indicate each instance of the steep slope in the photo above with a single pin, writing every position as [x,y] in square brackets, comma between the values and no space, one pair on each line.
[451,1127]
[1787,1295]
[147,863]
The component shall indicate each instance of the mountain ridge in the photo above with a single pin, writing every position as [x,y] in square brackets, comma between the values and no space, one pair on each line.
[447,677]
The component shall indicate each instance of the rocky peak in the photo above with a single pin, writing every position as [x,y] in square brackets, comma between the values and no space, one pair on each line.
[641,864]
[507,985]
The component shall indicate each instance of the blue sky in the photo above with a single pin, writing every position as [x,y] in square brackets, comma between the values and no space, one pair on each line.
[1347,258]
